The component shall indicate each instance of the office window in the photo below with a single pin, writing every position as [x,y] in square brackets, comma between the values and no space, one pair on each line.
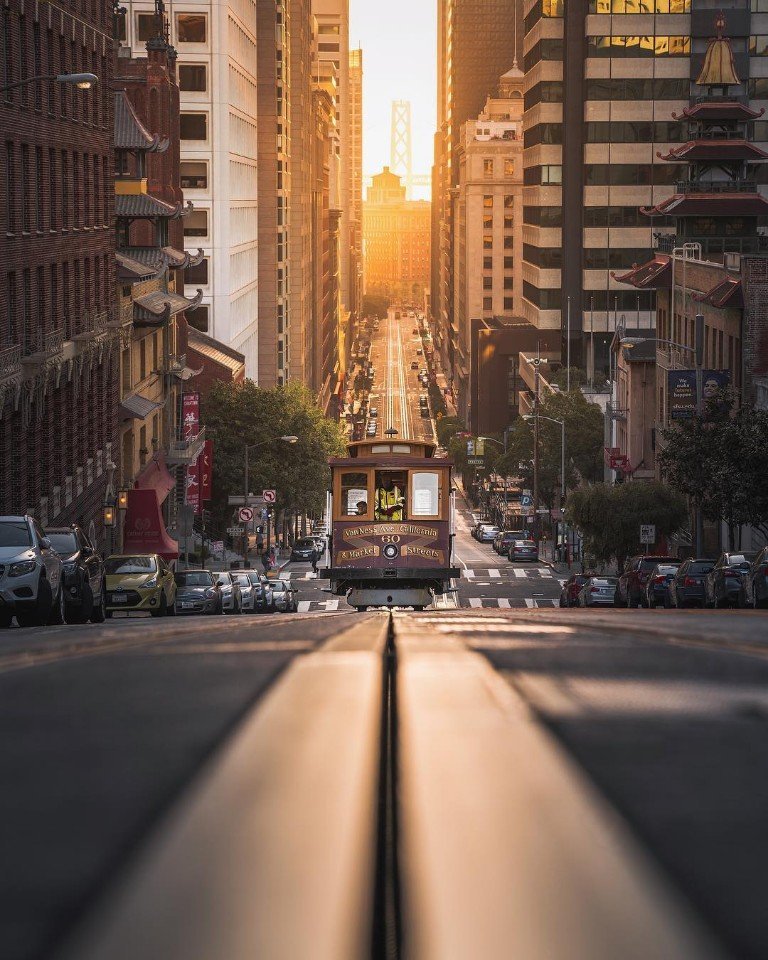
[25,191]
[509,303]
[509,283]
[196,224]
[197,275]
[145,26]
[509,202]
[328,47]
[509,263]
[551,174]
[198,318]
[509,243]
[328,29]
[487,303]
[488,201]
[194,126]
[487,242]
[509,223]
[509,168]
[488,223]
[487,263]
[193,77]
[191,28]
[10,187]
[758,45]
[487,168]
[487,283]
[636,46]
[194,174]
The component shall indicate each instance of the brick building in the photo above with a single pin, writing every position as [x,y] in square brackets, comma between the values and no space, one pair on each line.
[59,364]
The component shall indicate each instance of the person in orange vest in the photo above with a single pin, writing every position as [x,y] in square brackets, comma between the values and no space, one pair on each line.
[390,502]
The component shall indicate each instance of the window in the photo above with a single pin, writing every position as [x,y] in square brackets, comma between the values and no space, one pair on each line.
[639,6]
[328,47]
[487,263]
[758,88]
[487,242]
[328,29]
[425,494]
[194,126]
[487,303]
[191,28]
[509,263]
[487,168]
[509,303]
[193,77]
[551,174]
[509,168]
[758,45]
[145,26]
[10,187]
[488,202]
[25,192]
[636,46]
[487,283]
[509,223]
[197,274]
[509,283]
[488,223]
[194,174]
[354,495]
[198,318]
[509,243]
[196,224]
[121,26]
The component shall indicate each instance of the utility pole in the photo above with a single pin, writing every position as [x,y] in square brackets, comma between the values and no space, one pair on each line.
[699,363]
[245,504]
[536,364]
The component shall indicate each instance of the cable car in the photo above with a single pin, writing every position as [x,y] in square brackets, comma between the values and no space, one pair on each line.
[392,510]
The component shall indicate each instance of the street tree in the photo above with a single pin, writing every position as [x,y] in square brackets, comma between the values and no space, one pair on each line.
[238,414]
[609,517]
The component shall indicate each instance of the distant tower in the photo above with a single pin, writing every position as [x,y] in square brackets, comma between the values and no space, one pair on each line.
[401,154]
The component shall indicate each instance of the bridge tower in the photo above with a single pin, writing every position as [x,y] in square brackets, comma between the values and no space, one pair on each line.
[401,150]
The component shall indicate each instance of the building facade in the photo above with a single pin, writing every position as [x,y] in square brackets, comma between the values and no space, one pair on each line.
[59,360]
[356,264]
[216,45]
[487,218]
[396,235]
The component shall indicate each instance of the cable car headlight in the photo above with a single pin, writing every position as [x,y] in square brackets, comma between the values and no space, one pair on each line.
[391,551]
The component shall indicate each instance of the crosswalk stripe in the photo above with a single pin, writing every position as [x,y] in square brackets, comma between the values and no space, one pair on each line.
[494,574]
[504,602]
[530,602]
[475,602]
[469,574]
[522,574]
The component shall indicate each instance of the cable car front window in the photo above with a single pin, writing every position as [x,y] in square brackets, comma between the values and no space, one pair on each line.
[354,494]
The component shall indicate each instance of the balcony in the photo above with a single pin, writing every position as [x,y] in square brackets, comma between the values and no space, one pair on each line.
[10,362]
[45,344]
[716,186]
[183,453]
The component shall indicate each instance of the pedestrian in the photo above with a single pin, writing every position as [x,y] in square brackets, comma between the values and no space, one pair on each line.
[313,558]
[265,560]
[272,557]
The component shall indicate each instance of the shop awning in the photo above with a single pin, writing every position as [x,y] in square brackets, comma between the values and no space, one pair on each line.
[138,407]
[144,530]
[155,476]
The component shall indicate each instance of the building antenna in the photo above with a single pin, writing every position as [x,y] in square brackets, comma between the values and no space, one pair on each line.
[514,62]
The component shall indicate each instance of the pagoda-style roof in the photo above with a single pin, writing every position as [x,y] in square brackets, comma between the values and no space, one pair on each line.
[714,110]
[155,308]
[133,269]
[130,132]
[728,293]
[141,206]
[653,275]
[710,205]
[717,150]
[160,257]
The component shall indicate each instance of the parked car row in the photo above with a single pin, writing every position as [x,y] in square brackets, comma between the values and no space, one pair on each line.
[507,543]
[736,579]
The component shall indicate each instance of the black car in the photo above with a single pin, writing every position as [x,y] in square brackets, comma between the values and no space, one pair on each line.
[198,592]
[83,575]
[686,588]
[725,579]
[755,589]
[302,549]
[657,586]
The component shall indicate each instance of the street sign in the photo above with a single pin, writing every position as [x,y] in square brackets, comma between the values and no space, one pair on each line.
[239,501]
[647,533]
[217,546]
[235,531]
[476,461]
[245,514]
[525,500]
[269,496]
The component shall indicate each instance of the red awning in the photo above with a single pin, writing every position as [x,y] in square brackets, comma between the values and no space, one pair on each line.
[155,477]
[144,530]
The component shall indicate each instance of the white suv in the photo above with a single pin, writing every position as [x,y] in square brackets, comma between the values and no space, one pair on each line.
[30,575]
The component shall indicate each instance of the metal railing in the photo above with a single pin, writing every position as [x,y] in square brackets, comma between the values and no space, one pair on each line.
[46,342]
[716,186]
[10,361]
[185,452]
[714,246]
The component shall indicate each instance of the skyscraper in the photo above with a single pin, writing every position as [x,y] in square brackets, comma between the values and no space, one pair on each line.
[356,265]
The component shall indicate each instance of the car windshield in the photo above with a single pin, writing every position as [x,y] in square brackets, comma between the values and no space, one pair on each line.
[15,534]
[194,578]
[703,567]
[524,543]
[277,585]
[224,579]
[740,559]
[305,544]
[63,543]
[668,568]
[241,579]
[117,565]
[254,577]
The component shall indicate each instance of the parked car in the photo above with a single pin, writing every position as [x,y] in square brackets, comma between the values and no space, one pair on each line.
[31,575]
[487,532]
[414,364]
[657,586]
[262,598]
[320,542]
[755,587]
[478,528]
[198,591]
[373,412]
[283,596]
[503,541]
[569,593]
[85,595]
[302,549]
[598,592]
[630,590]
[686,588]
[140,582]
[231,597]
[724,581]
[523,550]
[247,598]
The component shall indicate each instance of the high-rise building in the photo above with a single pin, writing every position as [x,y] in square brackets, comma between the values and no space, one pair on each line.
[59,362]
[396,235]
[487,217]
[477,42]
[332,17]
[356,266]
[603,81]
[216,46]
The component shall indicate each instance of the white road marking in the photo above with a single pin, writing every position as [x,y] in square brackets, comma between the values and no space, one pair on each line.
[530,602]
[522,574]
[494,574]
[328,605]
[504,602]
[475,602]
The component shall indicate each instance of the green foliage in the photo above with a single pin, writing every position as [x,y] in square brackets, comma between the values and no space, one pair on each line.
[375,306]
[235,415]
[609,517]
[560,378]
[448,427]
[437,400]
[584,432]
[721,463]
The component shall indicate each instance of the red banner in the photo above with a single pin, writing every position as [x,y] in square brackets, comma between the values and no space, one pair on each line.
[205,471]
[190,415]
[193,486]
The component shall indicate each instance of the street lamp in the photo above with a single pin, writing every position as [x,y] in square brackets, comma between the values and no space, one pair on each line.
[529,416]
[254,446]
[84,81]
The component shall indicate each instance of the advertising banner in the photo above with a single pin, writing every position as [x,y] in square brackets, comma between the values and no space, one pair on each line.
[681,390]
[193,486]
[205,471]
[190,415]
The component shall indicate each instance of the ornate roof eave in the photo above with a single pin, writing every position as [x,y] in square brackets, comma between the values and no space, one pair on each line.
[729,292]
[710,204]
[652,275]
[719,110]
[156,308]
[738,150]
[130,131]
[130,268]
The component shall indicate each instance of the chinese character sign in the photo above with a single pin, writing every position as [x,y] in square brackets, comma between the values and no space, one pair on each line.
[190,413]
[205,471]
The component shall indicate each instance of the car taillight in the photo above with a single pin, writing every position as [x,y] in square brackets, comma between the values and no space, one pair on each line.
[659,579]
[594,589]
[689,582]
[733,573]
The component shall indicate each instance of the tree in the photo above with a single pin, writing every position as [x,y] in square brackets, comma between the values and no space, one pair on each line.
[448,427]
[375,306]
[238,414]
[720,462]
[584,434]
[609,517]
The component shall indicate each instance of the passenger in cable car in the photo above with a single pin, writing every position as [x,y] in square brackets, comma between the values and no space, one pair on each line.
[362,508]
[390,501]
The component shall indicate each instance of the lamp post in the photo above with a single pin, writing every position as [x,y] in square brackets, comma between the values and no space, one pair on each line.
[109,513]
[246,475]
[698,359]
[540,416]
[504,446]
[84,81]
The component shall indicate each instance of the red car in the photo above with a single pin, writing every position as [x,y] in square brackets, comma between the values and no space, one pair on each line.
[630,590]
[569,594]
